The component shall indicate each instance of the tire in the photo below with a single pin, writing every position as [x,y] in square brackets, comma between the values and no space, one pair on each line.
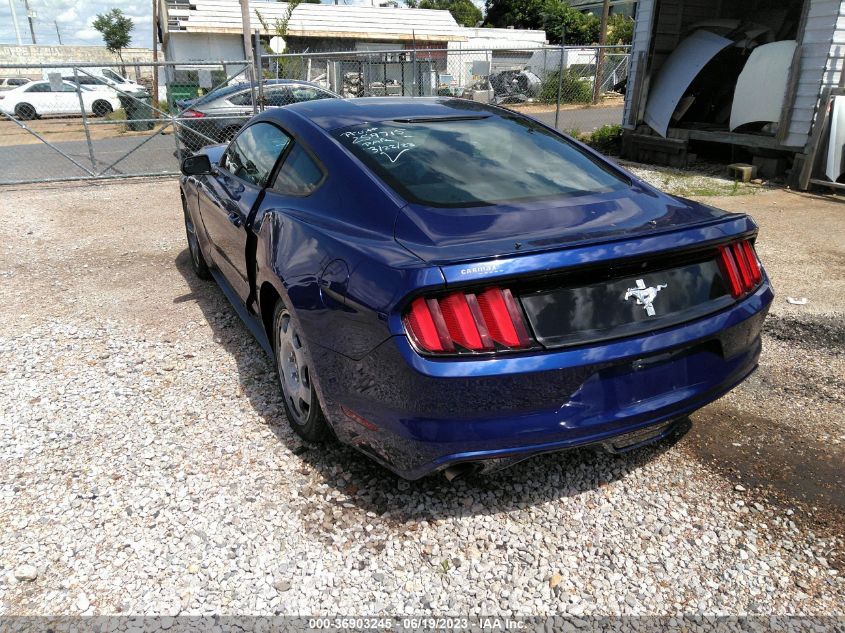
[197,259]
[101,108]
[25,111]
[293,367]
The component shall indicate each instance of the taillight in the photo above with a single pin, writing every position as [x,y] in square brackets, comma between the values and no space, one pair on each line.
[192,114]
[465,322]
[740,267]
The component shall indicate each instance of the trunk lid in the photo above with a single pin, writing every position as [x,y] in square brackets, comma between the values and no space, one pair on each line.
[447,235]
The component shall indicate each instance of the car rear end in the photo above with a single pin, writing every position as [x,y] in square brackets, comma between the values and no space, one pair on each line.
[574,305]
[530,354]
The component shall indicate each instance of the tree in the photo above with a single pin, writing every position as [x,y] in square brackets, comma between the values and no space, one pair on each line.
[464,11]
[620,29]
[580,28]
[280,25]
[553,16]
[116,29]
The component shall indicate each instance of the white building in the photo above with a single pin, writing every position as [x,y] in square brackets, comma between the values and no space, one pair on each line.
[202,30]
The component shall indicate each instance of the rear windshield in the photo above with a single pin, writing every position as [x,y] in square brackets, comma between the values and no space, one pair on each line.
[473,161]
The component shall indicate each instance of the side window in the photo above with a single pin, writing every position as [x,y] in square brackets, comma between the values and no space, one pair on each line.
[17,82]
[242,98]
[39,88]
[299,174]
[254,152]
[308,93]
[277,97]
[66,87]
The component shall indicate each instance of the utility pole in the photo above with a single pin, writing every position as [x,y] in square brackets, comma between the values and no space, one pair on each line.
[31,17]
[15,21]
[247,31]
[605,16]
[155,55]
[58,33]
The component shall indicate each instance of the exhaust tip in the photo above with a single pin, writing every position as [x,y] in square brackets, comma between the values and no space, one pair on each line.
[460,471]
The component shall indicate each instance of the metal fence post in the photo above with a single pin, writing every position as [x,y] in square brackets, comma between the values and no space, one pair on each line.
[559,85]
[84,120]
[257,76]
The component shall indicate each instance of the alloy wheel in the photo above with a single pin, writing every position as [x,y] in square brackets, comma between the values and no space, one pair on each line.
[293,369]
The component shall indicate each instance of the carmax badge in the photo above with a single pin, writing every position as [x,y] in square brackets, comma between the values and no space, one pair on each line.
[645,296]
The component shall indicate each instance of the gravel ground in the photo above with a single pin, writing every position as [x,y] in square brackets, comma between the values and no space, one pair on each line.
[146,466]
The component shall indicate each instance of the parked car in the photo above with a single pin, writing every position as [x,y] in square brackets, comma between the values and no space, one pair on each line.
[219,115]
[446,285]
[97,75]
[38,98]
[7,83]
[103,85]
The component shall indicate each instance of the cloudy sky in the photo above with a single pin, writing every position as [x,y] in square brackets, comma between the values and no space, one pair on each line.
[74,19]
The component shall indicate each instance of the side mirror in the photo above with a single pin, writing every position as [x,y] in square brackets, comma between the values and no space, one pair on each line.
[197,165]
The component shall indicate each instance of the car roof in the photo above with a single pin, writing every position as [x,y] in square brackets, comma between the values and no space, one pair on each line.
[331,114]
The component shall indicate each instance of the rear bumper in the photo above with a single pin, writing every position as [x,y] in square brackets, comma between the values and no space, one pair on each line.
[429,414]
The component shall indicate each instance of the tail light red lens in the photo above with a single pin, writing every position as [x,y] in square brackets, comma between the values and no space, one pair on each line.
[192,114]
[740,267]
[466,322]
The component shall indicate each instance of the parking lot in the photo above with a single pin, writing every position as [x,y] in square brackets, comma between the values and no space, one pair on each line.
[146,466]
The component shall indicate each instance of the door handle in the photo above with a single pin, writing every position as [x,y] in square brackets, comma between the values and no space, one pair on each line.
[235,219]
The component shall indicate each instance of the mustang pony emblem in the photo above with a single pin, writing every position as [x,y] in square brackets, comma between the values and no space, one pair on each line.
[645,296]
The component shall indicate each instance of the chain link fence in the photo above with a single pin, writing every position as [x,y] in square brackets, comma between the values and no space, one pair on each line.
[91,121]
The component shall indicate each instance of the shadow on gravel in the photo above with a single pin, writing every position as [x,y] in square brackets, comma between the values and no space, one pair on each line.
[372,488]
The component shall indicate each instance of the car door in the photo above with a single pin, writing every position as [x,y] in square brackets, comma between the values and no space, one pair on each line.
[38,95]
[65,100]
[232,192]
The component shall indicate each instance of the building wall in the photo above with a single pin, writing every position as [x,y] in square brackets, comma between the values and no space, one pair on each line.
[639,56]
[193,47]
[821,64]
[34,54]
[823,49]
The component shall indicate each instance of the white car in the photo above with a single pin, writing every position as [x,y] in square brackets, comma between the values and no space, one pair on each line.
[7,83]
[38,98]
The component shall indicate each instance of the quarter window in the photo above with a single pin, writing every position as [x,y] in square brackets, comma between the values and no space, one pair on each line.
[299,174]
[254,153]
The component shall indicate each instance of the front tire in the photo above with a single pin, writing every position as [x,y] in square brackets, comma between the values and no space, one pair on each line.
[195,250]
[102,108]
[25,112]
[296,377]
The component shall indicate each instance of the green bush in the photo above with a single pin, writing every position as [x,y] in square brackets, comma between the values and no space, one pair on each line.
[573,90]
[606,138]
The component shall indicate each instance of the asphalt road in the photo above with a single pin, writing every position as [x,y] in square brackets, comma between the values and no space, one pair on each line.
[39,161]
[156,155]
[585,120]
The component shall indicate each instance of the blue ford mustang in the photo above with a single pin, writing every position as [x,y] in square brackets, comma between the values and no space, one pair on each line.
[451,286]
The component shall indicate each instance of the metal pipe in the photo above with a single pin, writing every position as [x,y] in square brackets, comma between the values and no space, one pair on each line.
[15,22]
[84,120]
[156,174]
[30,15]
[257,75]
[560,80]
[184,65]
[155,50]
[438,50]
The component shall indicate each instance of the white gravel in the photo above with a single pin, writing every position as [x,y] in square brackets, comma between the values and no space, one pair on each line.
[146,468]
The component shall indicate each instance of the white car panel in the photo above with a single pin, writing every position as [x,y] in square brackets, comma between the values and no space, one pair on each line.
[762,84]
[676,75]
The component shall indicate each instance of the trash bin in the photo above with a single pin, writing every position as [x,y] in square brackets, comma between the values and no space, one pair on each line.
[139,111]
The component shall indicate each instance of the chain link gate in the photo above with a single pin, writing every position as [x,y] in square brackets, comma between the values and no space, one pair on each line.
[89,122]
